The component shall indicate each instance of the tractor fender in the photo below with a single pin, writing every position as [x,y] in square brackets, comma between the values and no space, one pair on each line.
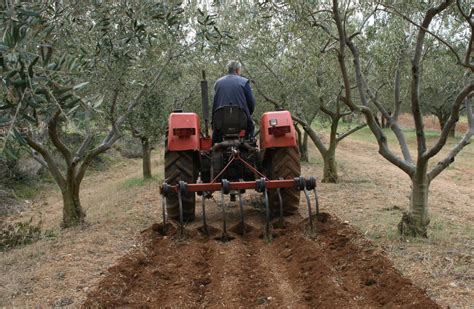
[183,132]
[277,130]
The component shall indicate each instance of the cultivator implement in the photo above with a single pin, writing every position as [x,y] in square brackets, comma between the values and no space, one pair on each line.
[261,185]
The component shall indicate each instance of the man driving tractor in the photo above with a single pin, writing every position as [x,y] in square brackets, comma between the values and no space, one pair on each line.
[235,162]
[234,90]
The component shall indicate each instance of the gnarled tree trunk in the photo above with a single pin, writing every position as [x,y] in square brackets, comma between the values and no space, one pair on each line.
[304,148]
[146,148]
[73,214]
[330,167]
[329,157]
[416,221]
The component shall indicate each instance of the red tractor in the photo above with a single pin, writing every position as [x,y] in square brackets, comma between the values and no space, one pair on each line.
[194,165]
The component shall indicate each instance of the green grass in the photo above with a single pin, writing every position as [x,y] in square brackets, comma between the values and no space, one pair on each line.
[26,191]
[136,182]
[440,230]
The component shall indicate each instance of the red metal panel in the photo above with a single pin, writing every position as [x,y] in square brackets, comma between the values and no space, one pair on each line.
[277,119]
[183,142]
[206,143]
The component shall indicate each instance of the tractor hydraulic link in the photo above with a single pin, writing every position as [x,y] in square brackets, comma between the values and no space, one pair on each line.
[227,144]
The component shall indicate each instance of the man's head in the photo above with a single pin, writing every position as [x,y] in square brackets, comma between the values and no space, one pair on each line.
[233,67]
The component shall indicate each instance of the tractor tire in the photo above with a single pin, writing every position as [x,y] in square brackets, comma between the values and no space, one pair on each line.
[181,165]
[283,163]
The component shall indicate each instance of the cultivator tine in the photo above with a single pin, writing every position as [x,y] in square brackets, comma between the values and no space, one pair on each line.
[204,223]
[310,214]
[262,188]
[181,223]
[224,190]
[181,190]
[305,185]
[268,236]
[311,185]
[164,190]
[280,200]
[163,209]
[242,221]
[316,201]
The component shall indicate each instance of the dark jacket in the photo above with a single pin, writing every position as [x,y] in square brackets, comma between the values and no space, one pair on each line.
[233,89]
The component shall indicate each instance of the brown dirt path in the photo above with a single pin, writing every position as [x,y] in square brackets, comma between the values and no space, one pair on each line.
[335,268]
[372,194]
[58,270]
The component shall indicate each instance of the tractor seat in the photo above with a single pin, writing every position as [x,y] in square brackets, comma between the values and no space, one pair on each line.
[229,120]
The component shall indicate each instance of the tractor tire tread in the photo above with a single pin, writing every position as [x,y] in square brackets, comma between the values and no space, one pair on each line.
[285,164]
[180,165]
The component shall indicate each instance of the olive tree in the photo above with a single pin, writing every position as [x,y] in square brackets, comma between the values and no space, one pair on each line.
[58,62]
[271,46]
[416,220]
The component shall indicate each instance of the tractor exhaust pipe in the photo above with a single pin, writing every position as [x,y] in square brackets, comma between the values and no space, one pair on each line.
[205,103]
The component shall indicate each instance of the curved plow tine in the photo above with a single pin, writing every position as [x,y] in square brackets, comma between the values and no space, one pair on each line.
[163,210]
[310,214]
[164,190]
[280,199]
[242,219]
[305,185]
[224,190]
[181,190]
[268,235]
[261,187]
[316,201]
[204,222]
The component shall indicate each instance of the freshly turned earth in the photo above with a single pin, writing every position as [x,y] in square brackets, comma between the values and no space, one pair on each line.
[335,267]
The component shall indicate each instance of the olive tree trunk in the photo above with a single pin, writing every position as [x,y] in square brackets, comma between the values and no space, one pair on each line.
[415,222]
[330,167]
[304,148]
[73,214]
[146,149]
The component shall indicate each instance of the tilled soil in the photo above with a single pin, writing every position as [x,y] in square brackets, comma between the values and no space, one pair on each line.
[334,267]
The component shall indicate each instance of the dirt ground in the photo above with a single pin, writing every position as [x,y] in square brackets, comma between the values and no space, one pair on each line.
[430,123]
[335,268]
[356,257]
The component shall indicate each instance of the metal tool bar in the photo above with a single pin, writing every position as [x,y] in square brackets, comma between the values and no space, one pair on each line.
[271,184]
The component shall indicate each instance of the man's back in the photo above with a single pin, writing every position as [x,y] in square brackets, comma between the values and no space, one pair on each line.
[233,89]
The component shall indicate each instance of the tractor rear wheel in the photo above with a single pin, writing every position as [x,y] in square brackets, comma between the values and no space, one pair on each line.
[181,165]
[283,163]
